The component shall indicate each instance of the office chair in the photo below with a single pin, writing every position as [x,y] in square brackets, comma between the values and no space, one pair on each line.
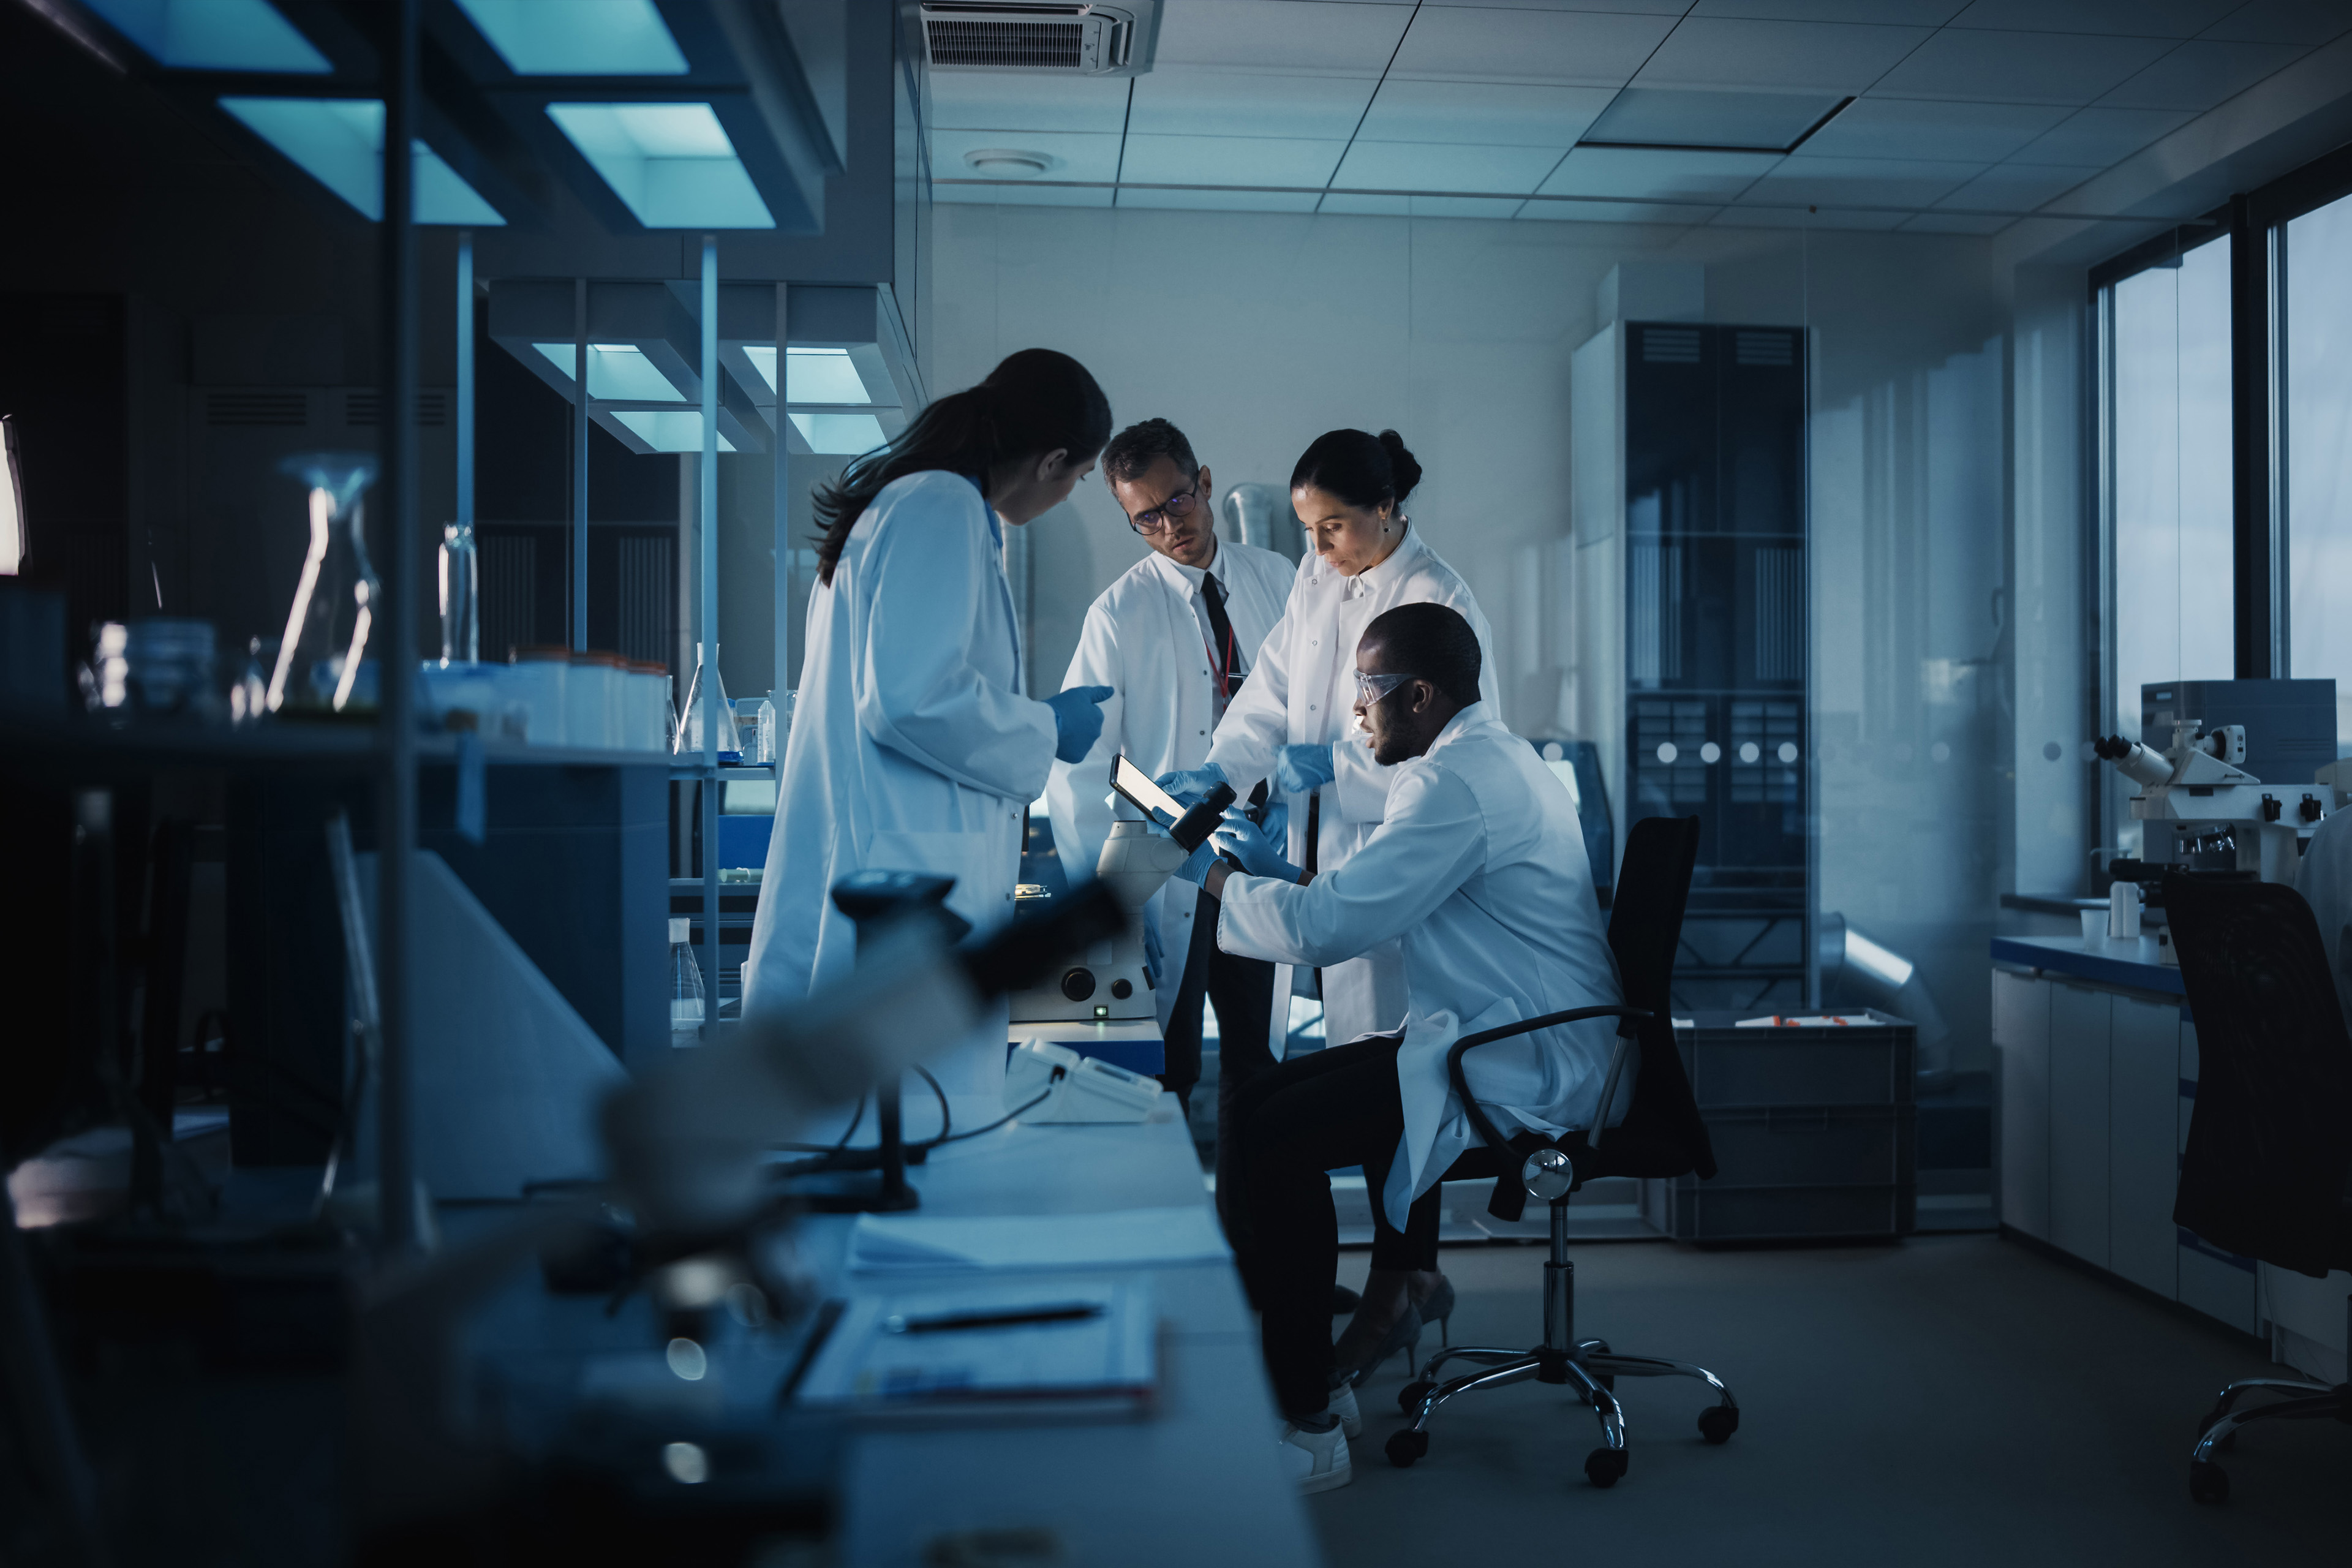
[1662,1135]
[2270,1138]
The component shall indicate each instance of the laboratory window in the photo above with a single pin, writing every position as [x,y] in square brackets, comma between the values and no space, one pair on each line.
[2314,353]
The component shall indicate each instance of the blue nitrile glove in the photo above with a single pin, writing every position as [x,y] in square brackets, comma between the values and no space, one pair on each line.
[1246,844]
[1191,785]
[1276,824]
[1195,869]
[1298,769]
[1078,720]
[1155,953]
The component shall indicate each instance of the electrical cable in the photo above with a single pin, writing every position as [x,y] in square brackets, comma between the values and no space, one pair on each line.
[833,1148]
[946,1119]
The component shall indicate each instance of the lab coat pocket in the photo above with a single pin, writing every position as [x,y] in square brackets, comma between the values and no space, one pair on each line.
[966,857]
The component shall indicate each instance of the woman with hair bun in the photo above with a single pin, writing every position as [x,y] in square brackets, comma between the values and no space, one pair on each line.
[1293,723]
[914,747]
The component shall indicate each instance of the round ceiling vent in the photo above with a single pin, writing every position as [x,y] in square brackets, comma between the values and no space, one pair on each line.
[1008,162]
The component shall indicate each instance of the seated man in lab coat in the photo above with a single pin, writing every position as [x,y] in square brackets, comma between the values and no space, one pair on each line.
[1479,868]
[1174,637]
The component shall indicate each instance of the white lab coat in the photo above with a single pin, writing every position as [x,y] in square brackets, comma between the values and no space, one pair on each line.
[2324,880]
[1303,691]
[1478,872]
[1143,639]
[913,747]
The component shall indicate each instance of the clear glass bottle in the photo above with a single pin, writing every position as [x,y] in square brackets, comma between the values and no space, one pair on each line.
[322,665]
[689,728]
[461,596]
[685,985]
[764,716]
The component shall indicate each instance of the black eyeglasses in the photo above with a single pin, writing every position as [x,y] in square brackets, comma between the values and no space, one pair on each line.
[1174,510]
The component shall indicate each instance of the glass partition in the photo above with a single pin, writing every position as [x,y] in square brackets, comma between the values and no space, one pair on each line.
[2315,350]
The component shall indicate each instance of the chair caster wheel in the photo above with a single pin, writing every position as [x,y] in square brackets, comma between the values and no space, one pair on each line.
[1716,1423]
[1410,1397]
[1406,1446]
[2209,1482]
[1604,1466]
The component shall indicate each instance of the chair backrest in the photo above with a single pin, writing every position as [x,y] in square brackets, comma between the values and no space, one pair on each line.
[2270,1139]
[1645,926]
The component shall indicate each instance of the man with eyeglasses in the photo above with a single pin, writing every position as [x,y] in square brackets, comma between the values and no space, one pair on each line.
[1174,637]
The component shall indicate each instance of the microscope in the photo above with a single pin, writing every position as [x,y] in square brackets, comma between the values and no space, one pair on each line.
[1101,1004]
[2201,811]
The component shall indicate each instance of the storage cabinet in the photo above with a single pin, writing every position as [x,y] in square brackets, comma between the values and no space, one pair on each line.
[2079,1025]
[2143,1152]
[2021,1044]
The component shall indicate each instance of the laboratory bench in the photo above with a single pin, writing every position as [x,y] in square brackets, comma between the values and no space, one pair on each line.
[2095,1073]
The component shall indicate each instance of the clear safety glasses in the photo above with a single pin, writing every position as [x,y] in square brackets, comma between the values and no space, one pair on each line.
[1371,688]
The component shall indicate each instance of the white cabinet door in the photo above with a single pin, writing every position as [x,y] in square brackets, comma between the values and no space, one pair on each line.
[2079,1027]
[2020,1041]
[2143,1160]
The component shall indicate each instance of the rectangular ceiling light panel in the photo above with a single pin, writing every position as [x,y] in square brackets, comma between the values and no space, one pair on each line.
[816,375]
[839,434]
[668,430]
[213,35]
[1670,117]
[578,38]
[670,163]
[617,373]
[338,142]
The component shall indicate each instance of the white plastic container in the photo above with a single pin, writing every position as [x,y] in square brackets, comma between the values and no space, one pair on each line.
[456,689]
[647,708]
[588,701]
[540,680]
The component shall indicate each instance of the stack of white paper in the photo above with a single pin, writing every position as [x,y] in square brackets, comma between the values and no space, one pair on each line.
[1114,1238]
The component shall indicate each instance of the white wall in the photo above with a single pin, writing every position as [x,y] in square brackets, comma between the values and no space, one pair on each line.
[1254,333]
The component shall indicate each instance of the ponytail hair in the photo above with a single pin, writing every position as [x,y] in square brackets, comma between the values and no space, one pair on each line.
[1361,468]
[1035,401]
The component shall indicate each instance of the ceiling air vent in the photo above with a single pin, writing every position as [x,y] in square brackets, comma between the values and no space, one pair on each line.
[1037,39]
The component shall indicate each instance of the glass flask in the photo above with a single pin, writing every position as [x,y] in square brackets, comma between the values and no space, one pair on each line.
[688,739]
[461,596]
[323,663]
[685,985]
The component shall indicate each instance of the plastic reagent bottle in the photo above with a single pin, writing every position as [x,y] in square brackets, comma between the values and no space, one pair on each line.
[685,985]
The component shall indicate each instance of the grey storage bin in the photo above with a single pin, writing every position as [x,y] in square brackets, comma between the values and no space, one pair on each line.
[1827,1065]
[1792,1172]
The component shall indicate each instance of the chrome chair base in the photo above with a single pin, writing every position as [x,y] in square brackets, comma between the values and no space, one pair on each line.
[2298,1399]
[1589,1366]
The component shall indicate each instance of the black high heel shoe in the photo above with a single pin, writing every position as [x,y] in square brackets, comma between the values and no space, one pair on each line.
[1438,1308]
[1405,1334]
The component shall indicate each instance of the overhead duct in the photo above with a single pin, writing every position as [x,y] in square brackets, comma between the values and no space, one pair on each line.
[1034,39]
[1856,968]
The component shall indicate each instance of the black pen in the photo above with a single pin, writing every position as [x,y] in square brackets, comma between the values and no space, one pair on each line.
[1076,1312]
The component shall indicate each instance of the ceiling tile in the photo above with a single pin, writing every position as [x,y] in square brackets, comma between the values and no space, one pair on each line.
[1228,161]
[1674,215]
[1071,154]
[1954,223]
[1482,44]
[1427,166]
[1645,7]
[2018,187]
[1495,114]
[1184,100]
[1781,217]
[2139,19]
[2284,22]
[1350,204]
[1626,172]
[1860,182]
[2101,136]
[2202,73]
[1222,201]
[1927,128]
[985,101]
[1282,40]
[2018,68]
[1697,118]
[1464,207]
[1025,195]
[1826,57]
[1893,13]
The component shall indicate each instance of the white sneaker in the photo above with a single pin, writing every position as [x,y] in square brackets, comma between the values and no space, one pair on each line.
[1343,1405]
[1317,1461]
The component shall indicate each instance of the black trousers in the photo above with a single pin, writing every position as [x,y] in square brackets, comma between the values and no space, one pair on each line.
[1243,990]
[1312,1114]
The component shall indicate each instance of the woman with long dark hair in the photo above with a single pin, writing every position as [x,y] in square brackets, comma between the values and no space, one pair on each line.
[914,747]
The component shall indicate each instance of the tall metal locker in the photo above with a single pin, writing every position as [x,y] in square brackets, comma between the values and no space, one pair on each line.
[1715,642]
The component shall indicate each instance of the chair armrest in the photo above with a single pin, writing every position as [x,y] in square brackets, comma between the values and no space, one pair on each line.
[1488,1132]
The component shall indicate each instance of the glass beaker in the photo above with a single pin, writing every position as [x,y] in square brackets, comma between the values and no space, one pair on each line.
[461,596]
[321,659]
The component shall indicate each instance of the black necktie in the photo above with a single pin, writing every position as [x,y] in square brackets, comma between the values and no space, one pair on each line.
[1213,593]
